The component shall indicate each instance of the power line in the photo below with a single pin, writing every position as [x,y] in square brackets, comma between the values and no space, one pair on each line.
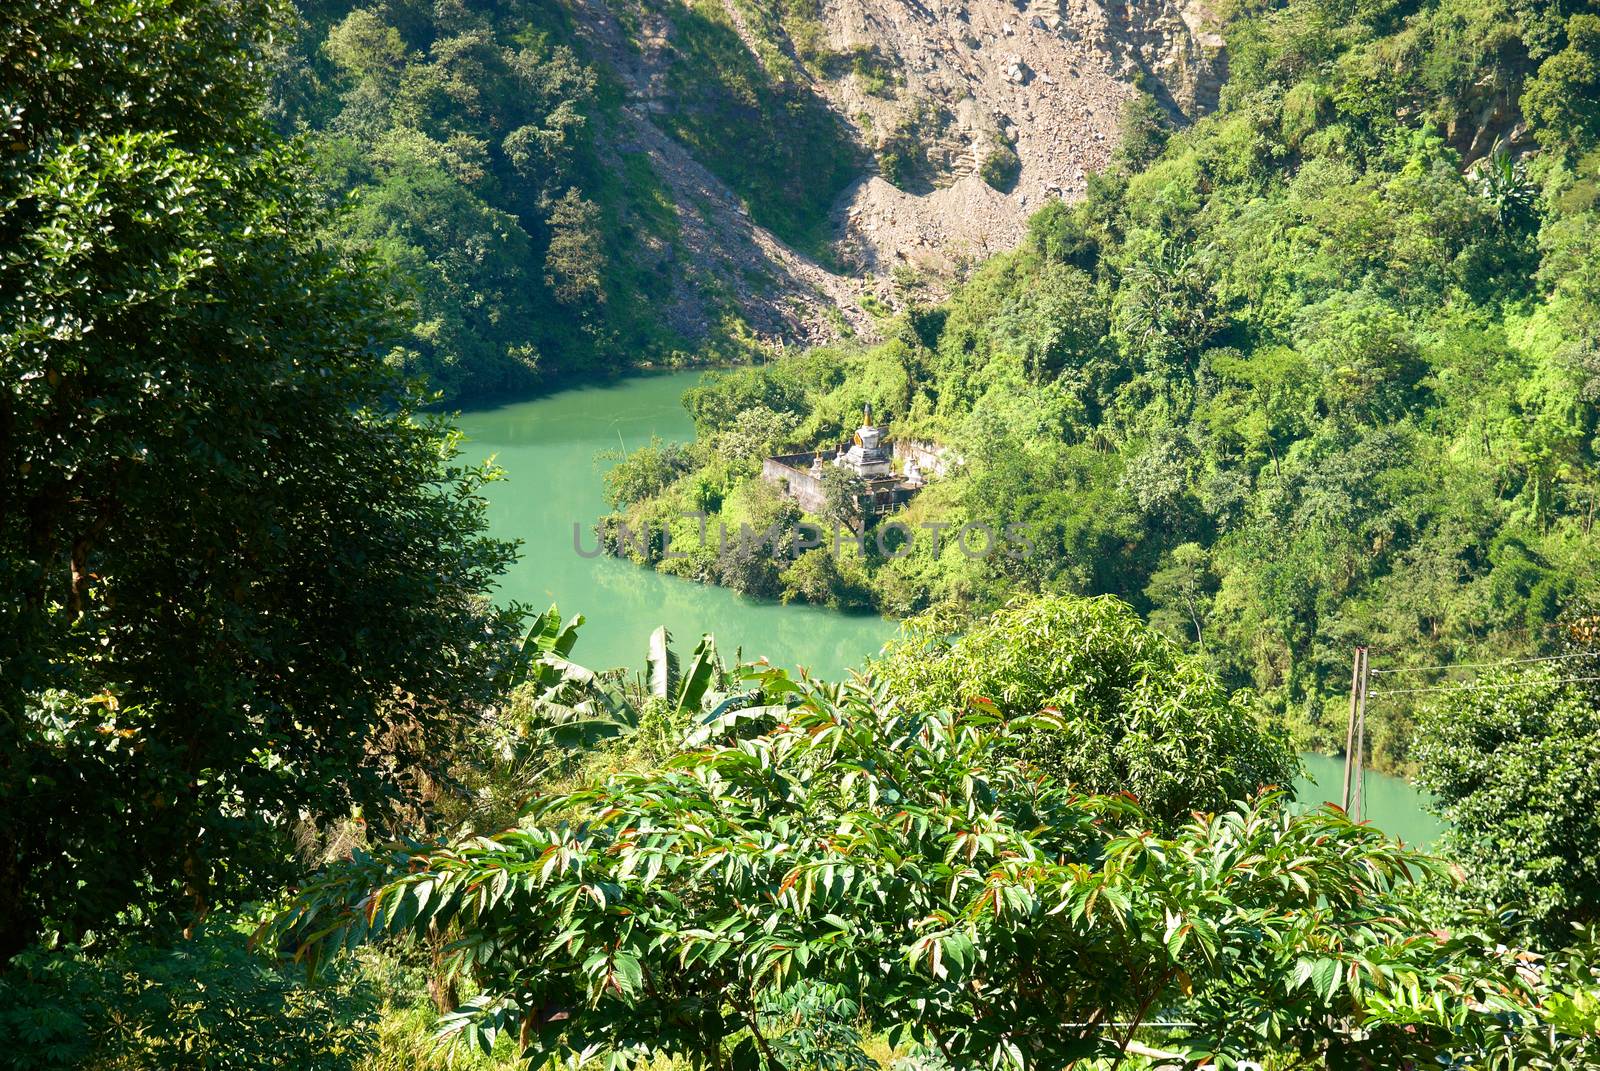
[1488,665]
[1475,685]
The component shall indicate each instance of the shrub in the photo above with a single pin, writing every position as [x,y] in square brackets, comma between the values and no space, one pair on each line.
[814,835]
[1511,762]
[1001,168]
[1135,713]
[204,1002]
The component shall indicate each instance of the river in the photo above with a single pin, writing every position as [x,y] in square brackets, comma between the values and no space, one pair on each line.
[552,497]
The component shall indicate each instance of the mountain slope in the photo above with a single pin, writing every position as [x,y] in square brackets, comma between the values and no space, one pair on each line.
[572,187]
[928,95]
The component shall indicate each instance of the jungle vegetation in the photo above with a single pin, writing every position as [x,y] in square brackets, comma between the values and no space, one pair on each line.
[462,139]
[474,147]
[1319,370]
[252,683]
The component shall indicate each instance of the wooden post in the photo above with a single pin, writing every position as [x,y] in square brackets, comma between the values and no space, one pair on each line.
[1350,727]
[1354,734]
[1360,742]
[1360,786]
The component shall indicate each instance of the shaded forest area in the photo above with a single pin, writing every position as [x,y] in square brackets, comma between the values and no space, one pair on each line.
[479,158]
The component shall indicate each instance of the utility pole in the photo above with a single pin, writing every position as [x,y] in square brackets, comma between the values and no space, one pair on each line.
[1355,736]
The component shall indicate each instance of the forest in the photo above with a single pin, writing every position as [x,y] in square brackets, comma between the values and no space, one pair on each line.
[283,785]
[1319,370]
[463,141]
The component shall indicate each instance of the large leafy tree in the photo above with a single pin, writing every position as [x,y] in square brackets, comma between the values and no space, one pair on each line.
[1131,712]
[822,835]
[1511,759]
[1560,100]
[240,577]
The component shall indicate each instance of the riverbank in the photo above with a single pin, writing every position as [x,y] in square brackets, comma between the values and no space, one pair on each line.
[553,493]
[553,496]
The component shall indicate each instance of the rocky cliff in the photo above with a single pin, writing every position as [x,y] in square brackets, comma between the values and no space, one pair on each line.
[954,120]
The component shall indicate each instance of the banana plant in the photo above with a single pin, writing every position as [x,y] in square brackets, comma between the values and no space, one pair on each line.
[570,706]
[574,708]
[684,691]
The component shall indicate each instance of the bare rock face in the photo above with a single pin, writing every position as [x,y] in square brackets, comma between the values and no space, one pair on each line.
[1006,104]
[1025,80]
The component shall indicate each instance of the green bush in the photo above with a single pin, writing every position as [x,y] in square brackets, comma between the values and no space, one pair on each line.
[1136,714]
[1511,762]
[1001,167]
[206,1003]
[813,840]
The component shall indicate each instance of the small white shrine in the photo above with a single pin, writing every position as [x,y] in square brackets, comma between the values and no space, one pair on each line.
[867,455]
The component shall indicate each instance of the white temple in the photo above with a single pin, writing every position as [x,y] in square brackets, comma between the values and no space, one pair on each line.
[867,455]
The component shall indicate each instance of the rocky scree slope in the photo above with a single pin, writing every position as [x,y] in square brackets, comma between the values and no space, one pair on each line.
[814,147]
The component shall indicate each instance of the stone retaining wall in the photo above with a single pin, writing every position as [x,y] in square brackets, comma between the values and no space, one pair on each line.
[791,472]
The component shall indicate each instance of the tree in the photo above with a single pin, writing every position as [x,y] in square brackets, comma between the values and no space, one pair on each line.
[574,261]
[1143,127]
[647,471]
[1001,167]
[1057,327]
[818,576]
[1134,714]
[1559,101]
[817,835]
[748,563]
[243,579]
[1511,760]
[1181,592]
[841,497]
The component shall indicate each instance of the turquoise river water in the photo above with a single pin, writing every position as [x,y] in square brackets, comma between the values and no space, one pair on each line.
[552,497]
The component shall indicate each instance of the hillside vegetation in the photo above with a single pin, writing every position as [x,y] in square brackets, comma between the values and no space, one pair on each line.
[483,161]
[283,788]
[462,138]
[1319,370]
[564,189]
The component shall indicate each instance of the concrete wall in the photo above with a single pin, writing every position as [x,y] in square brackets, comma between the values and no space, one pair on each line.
[934,460]
[790,472]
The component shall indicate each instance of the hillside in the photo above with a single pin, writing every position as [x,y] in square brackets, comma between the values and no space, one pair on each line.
[293,776]
[698,179]
[1318,370]
[938,98]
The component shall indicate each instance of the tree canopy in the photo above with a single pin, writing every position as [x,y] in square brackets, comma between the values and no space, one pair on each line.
[243,580]
[1128,710]
[1511,759]
[833,835]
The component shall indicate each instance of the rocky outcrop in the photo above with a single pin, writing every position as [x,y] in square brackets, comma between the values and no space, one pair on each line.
[1006,105]
[1043,78]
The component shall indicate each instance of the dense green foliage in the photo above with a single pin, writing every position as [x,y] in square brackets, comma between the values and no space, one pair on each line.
[491,172]
[464,138]
[1511,759]
[205,1003]
[831,835]
[1320,369]
[245,628]
[243,581]
[1135,715]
